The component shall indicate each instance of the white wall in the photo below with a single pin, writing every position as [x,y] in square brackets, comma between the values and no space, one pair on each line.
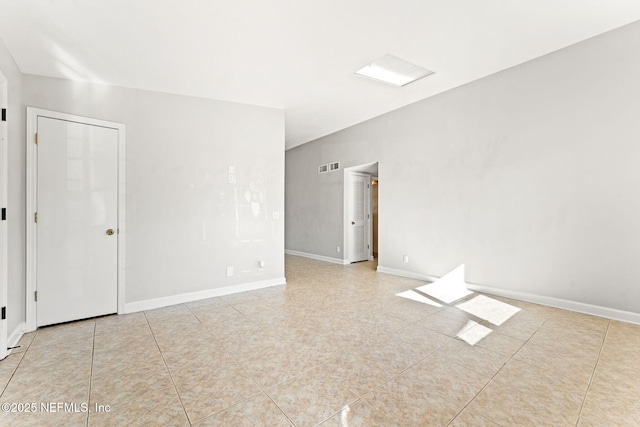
[531,177]
[185,222]
[16,194]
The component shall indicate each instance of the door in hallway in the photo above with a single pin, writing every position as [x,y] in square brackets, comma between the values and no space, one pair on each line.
[358,217]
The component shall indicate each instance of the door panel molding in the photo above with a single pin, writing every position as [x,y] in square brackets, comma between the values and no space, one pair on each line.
[32,170]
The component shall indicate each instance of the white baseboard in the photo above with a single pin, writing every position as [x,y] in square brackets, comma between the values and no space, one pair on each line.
[318,257]
[132,307]
[594,310]
[408,274]
[18,332]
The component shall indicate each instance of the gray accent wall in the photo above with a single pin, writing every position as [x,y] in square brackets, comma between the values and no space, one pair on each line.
[530,177]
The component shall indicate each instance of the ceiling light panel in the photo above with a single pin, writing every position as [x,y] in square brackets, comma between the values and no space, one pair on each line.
[393,70]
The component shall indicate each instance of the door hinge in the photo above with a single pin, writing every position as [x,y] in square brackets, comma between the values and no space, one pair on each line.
[4,214]
[35,217]
[36,138]
[35,296]
[4,114]
[4,313]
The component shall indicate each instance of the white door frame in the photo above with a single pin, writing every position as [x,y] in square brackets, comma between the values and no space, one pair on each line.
[347,215]
[31,207]
[4,230]
[371,258]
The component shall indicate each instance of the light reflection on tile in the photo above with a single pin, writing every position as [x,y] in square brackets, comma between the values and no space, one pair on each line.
[358,414]
[259,408]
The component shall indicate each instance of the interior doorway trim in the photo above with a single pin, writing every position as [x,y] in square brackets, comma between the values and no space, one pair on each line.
[32,192]
[369,169]
[4,229]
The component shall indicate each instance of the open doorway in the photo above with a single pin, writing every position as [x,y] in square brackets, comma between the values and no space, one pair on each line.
[359,230]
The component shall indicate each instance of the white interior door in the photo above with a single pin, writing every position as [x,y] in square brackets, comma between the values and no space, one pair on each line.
[77,212]
[358,221]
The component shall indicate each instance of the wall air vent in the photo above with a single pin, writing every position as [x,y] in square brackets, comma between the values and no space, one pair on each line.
[334,166]
[323,168]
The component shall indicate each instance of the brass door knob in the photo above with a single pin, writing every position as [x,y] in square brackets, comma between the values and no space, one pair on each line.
[110,232]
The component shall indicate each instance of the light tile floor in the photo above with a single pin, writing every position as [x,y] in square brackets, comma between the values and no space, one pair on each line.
[335,347]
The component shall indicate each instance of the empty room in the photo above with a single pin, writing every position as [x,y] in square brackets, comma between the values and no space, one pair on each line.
[338,213]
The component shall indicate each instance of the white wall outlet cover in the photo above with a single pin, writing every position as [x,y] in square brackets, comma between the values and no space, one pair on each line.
[229,271]
[261,264]
[338,249]
[406,259]
[276,215]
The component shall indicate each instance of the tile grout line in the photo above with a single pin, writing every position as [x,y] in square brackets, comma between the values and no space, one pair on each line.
[450,340]
[17,366]
[494,375]
[402,371]
[93,355]
[593,374]
[263,388]
[362,399]
[236,361]
[279,408]
[167,368]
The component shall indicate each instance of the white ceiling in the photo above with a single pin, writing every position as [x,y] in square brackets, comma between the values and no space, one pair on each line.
[298,55]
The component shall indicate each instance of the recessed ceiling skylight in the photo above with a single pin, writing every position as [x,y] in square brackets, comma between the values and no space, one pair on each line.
[393,70]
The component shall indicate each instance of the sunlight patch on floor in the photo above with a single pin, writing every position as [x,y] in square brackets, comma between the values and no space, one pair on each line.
[472,334]
[489,309]
[449,288]
[413,295]
[452,288]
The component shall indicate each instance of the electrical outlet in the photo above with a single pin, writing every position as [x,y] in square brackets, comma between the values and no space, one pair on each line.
[229,271]
[406,259]
[276,215]
[338,249]
[261,263]
[232,178]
